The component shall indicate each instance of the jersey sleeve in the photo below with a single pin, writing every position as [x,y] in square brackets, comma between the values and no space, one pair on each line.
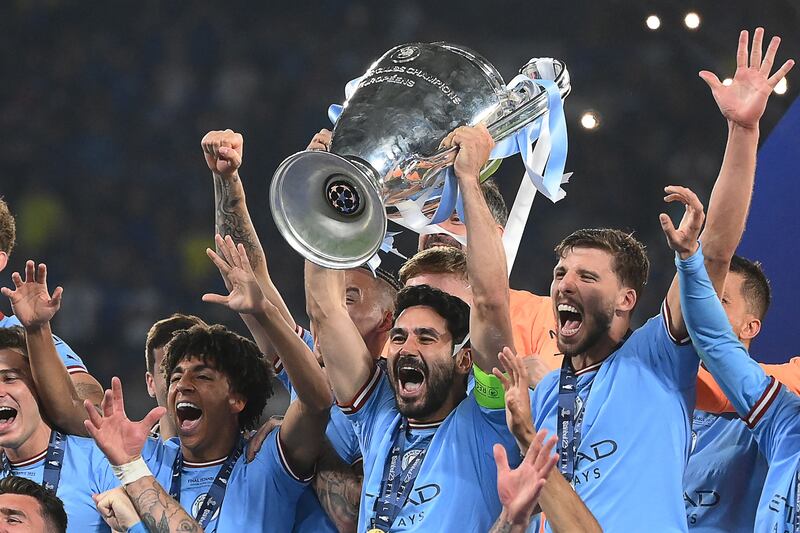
[372,410]
[743,381]
[343,437]
[271,481]
[674,360]
[271,459]
[68,356]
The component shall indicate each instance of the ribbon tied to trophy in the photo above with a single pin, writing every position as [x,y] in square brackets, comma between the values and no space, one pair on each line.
[385,162]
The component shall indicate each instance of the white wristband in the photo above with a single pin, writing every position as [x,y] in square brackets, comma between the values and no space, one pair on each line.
[130,472]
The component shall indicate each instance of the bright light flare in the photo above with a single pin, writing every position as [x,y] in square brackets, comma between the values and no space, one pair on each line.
[590,120]
[727,81]
[781,87]
[653,22]
[692,20]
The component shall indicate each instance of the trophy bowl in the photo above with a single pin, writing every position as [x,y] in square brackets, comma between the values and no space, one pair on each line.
[332,207]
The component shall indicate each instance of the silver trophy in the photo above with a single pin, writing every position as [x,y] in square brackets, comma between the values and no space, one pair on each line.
[332,207]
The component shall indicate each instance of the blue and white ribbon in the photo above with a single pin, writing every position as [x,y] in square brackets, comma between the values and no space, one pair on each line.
[543,146]
[387,246]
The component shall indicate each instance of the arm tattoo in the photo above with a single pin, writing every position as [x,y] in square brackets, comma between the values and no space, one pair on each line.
[88,391]
[501,526]
[159,512]
[338,487]
[231,218]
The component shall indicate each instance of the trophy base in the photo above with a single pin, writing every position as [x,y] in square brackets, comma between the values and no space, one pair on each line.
[328,208]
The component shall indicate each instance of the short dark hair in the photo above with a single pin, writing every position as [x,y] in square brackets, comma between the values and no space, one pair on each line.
[630,261]
[162,331]
[453,309]
[52,508]
[14,338]
[8,229]
[755,286]
[495,201]
[238,358]
[435,260]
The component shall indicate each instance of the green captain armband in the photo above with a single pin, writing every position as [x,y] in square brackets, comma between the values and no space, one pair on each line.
[488,390]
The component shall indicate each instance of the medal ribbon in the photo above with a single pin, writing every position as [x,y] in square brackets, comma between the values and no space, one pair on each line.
[216,494]
[397,481]
[53,461]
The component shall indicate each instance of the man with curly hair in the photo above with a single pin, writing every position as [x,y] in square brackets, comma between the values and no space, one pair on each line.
[219,383]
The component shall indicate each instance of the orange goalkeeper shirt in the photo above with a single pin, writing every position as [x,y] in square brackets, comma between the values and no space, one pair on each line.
[711,398]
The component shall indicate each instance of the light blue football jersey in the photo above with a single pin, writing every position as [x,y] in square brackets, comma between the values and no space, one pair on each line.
[68,356]
[85,471]
[769,410]
[456,488]
[261,495]
[635,435]
[724,476]
[311,517]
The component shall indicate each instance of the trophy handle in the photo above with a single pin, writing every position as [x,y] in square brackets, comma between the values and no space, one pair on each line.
[531,104]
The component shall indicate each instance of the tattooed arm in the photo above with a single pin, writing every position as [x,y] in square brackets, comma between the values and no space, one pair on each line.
[157,509]
[143,503]
[338,487]
[223,151]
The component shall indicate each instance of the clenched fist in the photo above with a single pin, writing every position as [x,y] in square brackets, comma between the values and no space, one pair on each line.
[223,151]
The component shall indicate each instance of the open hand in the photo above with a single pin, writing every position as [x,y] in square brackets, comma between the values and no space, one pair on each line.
[224,151]
[518,403]
[245,295]
[744,100]
[31,302]
[519,489]
[121,439]
[683,239]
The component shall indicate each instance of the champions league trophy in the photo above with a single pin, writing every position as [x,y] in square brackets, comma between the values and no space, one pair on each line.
[332,207]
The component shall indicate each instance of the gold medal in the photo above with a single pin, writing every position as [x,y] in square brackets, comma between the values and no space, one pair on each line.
[376,530]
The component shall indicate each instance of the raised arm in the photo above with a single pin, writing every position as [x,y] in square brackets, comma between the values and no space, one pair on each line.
[490,321]
[34,307]
[742,104]
[566,512]
[347,359]
[303,425]
[224,151]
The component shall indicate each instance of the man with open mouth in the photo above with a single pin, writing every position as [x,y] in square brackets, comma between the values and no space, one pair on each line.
[73,467]
[328,504]
[623,399]
[218,386]
[427,444]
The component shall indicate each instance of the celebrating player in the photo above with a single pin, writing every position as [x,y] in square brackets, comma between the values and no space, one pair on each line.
[70,466]
[370,303]
[218,386]
[725,471]
[532,321]
[765,406]
[417,428]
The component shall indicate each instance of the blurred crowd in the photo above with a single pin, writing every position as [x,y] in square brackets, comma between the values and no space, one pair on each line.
[104,105]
